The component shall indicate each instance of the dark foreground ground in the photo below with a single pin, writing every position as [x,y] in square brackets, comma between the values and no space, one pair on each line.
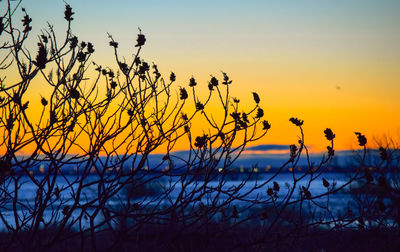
[239,239]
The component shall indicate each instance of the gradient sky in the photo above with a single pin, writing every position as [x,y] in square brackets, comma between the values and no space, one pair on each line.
[331,63]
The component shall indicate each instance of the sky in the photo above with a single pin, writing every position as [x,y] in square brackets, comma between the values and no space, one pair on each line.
[332,63]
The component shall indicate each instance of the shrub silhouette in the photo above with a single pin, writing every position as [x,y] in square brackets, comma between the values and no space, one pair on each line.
[377,194]
[104,125]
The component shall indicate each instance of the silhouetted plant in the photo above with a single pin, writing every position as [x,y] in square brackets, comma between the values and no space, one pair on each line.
[377,194]
[104,125]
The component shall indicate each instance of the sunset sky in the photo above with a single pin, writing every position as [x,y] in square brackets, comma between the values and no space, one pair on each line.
[331,63]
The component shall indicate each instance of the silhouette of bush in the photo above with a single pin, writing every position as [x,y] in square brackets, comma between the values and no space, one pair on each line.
[377,194]
[89,158]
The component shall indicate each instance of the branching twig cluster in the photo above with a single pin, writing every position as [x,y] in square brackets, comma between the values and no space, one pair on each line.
[88,155]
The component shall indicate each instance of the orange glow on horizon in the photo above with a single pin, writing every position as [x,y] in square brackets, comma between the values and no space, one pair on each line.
[372,117]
